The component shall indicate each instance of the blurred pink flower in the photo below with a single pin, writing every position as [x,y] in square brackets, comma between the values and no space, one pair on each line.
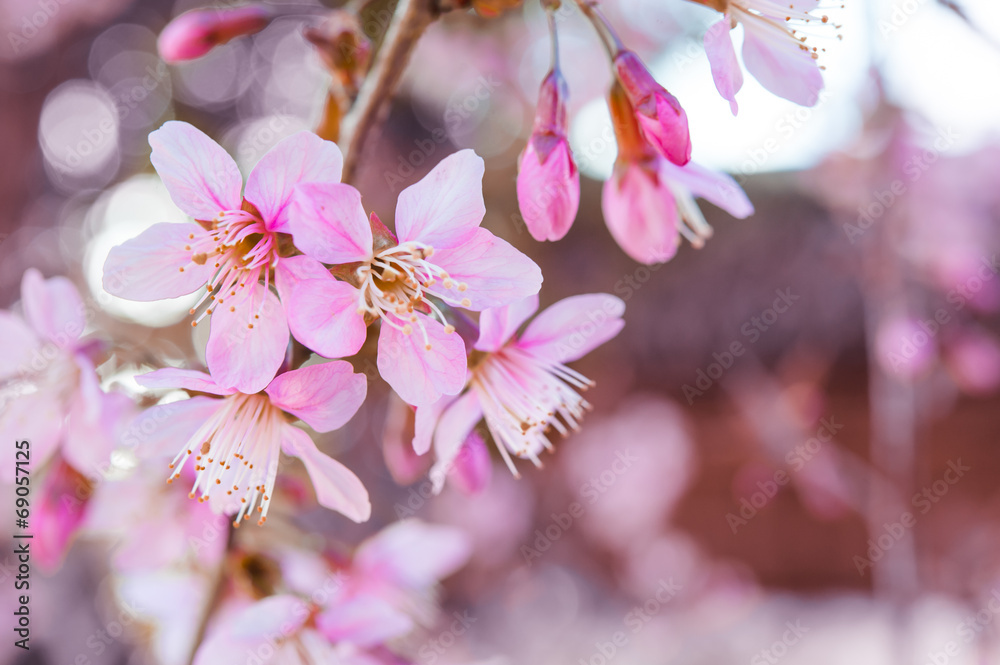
[772,52]
[249,431]
[548,183]
[649,205]
[53,399]
[195,33]
[442,253]
[905,347]
[521,386]
[232,252]
[973,358]
[663,122]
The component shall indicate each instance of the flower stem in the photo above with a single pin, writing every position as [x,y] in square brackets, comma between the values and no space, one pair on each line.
[410,20]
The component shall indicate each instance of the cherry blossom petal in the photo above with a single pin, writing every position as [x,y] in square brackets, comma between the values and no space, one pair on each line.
[159,432]
[155,264]
[324,396]
[170,378]
[363,621]
[91,437]
[418,375]
[574,326]
[495,272]
[247,341]
[446,206]
[19,342]
[37,417]
[323,315]
[274,615]
[641,214]
[453,429]
[717,188]
[472,468]
[498,324]
[722,58]
[201,177]
[329,223]
[424,422]
[302,157]
[780,62]
[337,488]
[413,554]
[291,270]
[52,307]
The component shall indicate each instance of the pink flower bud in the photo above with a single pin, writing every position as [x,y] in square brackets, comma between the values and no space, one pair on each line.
[59,512]
[195,33]
[641,212]
[664,123]
[548,183]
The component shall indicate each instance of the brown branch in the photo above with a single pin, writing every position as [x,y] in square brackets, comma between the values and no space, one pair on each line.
[215,596]
[410,20]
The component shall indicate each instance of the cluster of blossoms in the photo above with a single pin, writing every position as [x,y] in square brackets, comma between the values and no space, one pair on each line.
[294,254]
[291,263]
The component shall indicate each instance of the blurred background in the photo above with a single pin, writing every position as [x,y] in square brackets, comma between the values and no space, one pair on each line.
[777,405]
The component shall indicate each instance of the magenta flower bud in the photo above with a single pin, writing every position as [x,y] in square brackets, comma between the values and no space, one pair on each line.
[664,123]
[548,183]
[195,33]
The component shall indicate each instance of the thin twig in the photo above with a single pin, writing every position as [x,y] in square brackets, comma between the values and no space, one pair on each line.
[215,597]
[411,19]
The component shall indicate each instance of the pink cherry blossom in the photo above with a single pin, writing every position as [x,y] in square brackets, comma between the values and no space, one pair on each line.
[442,254]
[236,439]
[662,120]
[521,387]
[195,33]
[772,51]
[52,395]
[548,183]
[649,205]
[230,252]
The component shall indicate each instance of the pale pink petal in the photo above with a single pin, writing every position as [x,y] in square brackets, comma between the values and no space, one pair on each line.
[37,417]
[420,375]
[90,438]
[425,420]
[780,62]
[495,272]
[247,341]
[324,396]
[154,265]
[399,435]
[221,648]
[20,346]
[302,157]
[323,315]
[453,429]
[641,214]
[159,432]
[472,468]
[172,378]
[722,58]
[548,194]
[717,188]
[274,615]
[291,270]
[203,180]
[337,488]
[52,307]
[498,324]
[363,621]
[329,223]
[413,554]
[574,326]
[446,205]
